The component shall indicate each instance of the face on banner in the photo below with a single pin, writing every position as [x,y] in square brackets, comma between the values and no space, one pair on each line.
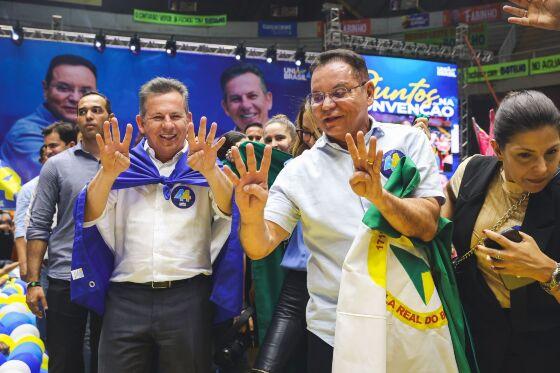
[42,98]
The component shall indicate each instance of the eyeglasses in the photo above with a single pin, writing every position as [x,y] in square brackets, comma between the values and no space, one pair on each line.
[66,88]
[340,93]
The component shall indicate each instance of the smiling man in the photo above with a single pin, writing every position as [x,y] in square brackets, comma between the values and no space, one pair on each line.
[246,99]
[331,186]
[62,177]
[159,208]
[68,78]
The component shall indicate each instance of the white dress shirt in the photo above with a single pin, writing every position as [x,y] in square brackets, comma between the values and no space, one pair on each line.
[153,239]
[314,188]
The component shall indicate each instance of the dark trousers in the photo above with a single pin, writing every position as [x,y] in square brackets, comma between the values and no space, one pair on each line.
[66,326]
[319,355]
[170,329]
[284,348]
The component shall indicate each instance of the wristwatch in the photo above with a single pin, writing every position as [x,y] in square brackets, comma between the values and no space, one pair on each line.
[554,280]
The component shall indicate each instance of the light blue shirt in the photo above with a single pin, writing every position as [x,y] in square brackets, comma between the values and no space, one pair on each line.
[23,142]
[297,254]
[23,198]
[313,189]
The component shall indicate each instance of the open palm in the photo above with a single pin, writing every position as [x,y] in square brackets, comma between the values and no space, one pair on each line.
[114,154]
[543,14]
[251,186]
[203,152]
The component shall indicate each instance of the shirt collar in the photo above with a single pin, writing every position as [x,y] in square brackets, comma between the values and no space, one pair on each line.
[151,152]
[375,130]
[79,149]
[45,113]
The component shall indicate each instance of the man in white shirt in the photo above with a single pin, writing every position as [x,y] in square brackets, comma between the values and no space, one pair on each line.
[331,186]
[161,235]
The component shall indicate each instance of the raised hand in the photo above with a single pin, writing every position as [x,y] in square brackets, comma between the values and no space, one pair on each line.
[366,180]
[113,153]
[544,14]
[251,187]
[202,151]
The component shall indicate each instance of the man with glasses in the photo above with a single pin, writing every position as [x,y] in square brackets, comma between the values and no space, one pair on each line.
[68,78]
[331,186]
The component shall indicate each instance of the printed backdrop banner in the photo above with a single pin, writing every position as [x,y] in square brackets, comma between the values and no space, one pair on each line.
[120,75]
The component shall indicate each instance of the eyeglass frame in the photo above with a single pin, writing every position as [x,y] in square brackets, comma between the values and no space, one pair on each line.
[302,132]
[329,94]
[66,88]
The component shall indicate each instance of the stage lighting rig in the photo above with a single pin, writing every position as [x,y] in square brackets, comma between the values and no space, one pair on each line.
[240,52]
[99,42]
[299,56]
[271,54]
[134,44]
[17,34]
[171,47]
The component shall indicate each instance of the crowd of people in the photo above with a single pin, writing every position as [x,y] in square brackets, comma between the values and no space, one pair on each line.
[120,241]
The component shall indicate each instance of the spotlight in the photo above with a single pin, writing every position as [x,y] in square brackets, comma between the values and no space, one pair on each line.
[240,52]
[171,47]
[271,54]
[17,34]
[99,42]
[134,44]
[299,57]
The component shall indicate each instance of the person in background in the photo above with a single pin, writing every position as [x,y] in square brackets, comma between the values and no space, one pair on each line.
[58,137]
[280,133]
[511,292]
[68,78]
[6,235]
[285,345]
[246,98]
[233,138]
[254,132]
[61,180]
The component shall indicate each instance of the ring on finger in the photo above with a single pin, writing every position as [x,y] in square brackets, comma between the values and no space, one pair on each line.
[369,162]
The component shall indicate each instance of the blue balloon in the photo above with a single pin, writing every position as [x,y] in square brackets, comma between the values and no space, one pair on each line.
[30,360]
[14,319]
[27,348]
[3,359]
[9,291]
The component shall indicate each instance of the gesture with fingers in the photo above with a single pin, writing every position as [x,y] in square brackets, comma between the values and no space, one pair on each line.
[202,151]
[366,180]
[523,259]
[251,186]
[113,153]
[544,14]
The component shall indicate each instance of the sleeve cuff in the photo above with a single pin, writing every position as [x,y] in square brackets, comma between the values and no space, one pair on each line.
[89,224]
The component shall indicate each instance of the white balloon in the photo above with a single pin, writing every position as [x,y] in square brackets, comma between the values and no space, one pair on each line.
[14,366]
[24,330]
[14,307]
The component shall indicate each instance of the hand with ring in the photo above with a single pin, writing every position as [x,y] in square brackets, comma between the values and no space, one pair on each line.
[203,151]
[522,259]
[544,14]
[366,180]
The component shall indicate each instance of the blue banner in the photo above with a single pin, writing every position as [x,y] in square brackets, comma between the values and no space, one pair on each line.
[120,74]
[278,29]
[416,20]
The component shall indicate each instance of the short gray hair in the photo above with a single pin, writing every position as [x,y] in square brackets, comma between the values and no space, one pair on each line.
[160,86]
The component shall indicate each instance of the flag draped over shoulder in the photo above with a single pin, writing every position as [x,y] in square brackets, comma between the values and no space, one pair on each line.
[267,274]
[93,260]
[398,307]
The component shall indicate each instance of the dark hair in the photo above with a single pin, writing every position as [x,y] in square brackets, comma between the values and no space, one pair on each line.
[107,102]
[42,153]
[240,69]
[65,130]
[68,59]
[349,57]
[523,111]
[232,138]
[254,124]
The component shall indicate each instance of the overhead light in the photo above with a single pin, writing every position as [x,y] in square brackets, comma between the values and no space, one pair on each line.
[171,47]
[99,42]
[240,52]
[134,44]
[299,57]
[17,34]
[271,54]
